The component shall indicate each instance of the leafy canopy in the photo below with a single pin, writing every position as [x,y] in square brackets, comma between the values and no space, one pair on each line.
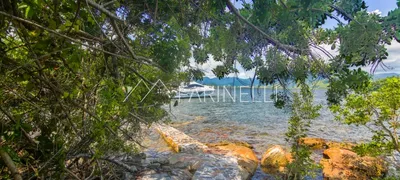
[67,67]
[378,109]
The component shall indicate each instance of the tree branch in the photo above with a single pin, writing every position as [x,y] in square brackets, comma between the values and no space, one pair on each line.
[108,3]
[113,17]
[115,26]
[334,17]
[125,166]
[394,36]
[15,122]
[10,164]
[323,50]
[342,12]
[103,10]
[69,38]
[283,47]
[75,17]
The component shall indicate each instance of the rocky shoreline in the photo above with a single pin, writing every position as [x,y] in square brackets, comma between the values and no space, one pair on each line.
[188,158]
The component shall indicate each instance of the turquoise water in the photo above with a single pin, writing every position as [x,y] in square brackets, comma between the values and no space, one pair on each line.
[258,123]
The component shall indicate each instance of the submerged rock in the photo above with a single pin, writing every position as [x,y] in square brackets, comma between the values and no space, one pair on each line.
[225,143]
[275,159]
[345,164]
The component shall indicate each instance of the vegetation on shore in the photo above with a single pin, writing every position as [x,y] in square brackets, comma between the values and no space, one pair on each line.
[65,67]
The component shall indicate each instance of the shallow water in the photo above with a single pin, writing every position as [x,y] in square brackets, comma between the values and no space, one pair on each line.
[258,123]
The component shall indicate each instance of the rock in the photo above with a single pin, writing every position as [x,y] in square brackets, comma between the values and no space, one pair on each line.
[224,143]
[166,168]
[220,161]
[154,165]
[247,159]
[393,161]
[127,176]
[179,174]
[210,166]
[179,141]
[274,157]
[220,167]
[158,176]
[345,164]
[314,143]
[196,120]
[275,160]
[161,160]
[341,145]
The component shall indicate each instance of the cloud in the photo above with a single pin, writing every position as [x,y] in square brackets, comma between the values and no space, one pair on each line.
[377,12]
[242,73]
[392,62]
[211,64]
[206,67]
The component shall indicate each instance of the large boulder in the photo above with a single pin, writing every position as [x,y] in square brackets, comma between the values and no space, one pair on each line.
[345,164]
[247,159]
[275,159]
[314,143]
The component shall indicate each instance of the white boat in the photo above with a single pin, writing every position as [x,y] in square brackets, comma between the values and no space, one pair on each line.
[194,90]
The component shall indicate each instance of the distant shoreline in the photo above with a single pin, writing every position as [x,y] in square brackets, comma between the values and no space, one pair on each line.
[263,87]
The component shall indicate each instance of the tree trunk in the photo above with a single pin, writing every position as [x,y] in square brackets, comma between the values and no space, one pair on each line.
[10,164]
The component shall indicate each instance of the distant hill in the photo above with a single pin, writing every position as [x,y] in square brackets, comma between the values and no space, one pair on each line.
[384,75]
[230,81]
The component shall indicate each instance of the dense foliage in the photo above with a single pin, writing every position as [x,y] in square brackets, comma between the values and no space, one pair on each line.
[377,108]
[67,67]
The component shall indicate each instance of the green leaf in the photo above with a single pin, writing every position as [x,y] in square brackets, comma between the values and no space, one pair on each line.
[52,24]
[22,6]
[65,94]
[28,12]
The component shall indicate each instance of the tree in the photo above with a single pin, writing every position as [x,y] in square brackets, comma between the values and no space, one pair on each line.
[67,66]
[377,108]
[303,111]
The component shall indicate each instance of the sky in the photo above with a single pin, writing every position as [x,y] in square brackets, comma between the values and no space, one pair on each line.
[381,7]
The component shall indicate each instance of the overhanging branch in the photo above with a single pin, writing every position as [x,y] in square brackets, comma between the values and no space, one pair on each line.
[66,37]
[104,10]
[342,12]
[274,42]
[113,18]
